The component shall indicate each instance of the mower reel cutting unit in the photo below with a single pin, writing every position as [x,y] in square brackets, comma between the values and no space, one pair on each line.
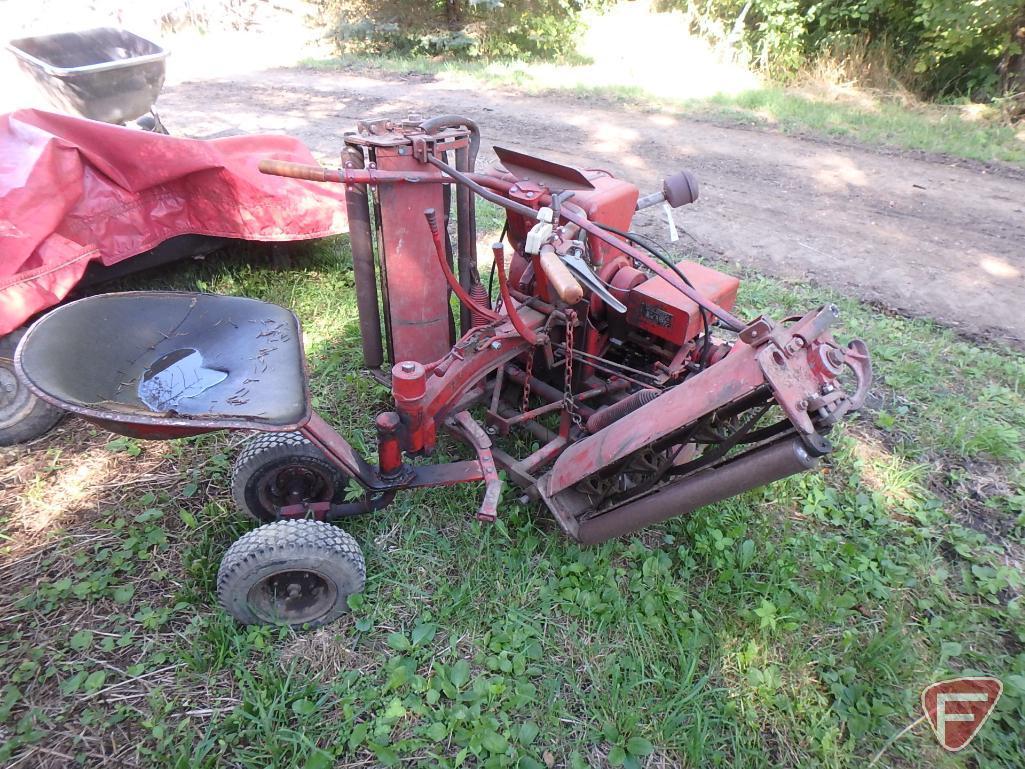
[647,396]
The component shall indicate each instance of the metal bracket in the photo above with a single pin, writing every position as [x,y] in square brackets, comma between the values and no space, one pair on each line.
[757,332]
[420,149]
[465,426]
[315,510]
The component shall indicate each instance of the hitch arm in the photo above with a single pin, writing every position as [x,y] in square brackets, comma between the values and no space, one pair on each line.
[463,425]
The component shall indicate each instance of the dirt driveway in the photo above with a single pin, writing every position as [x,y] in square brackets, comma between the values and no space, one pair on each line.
[934,238]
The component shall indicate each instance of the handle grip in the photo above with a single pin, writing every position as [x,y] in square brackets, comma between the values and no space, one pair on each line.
[559,276]
[299,171]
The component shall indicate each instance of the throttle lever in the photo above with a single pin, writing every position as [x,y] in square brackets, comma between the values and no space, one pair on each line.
[583,272]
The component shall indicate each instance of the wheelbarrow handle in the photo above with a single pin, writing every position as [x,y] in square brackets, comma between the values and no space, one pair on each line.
[299,171]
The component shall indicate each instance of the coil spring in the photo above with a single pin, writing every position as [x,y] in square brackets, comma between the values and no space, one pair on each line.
[601,419]
[479,294]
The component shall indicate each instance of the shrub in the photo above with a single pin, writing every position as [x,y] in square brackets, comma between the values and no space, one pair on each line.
[937,47]
[486,29]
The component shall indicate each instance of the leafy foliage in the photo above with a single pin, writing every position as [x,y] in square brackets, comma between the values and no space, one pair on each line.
[938,47]
[483,29]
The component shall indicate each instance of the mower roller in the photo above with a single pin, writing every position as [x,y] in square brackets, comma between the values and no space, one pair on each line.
[646,395]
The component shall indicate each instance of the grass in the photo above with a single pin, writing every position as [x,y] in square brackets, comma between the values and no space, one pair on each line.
[967,131]
[794,626]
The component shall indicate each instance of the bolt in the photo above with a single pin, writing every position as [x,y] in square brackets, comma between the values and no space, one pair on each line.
[496,345]
[408,368]
[802,404]
[491,430]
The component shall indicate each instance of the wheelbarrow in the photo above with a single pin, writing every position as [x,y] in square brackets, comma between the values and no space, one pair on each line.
[106,74]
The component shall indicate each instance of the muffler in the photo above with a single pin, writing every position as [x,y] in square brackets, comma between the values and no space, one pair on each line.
[749,471]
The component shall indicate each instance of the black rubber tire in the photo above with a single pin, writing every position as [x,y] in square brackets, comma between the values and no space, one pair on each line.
[23,416]
[283,548]
[265,456]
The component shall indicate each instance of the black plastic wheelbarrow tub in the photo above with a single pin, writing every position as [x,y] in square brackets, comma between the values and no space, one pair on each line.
[105,74]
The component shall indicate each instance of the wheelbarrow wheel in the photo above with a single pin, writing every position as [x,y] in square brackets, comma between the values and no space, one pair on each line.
[23,416]
[297,573]
[279,469]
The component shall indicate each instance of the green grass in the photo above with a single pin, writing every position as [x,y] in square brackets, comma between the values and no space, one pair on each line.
[938,129]
[873,119]
[794,626]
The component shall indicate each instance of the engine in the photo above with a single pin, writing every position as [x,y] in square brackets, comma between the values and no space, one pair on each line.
[658,327]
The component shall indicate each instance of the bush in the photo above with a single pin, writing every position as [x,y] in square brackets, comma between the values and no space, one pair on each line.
[486,29]
[936,47]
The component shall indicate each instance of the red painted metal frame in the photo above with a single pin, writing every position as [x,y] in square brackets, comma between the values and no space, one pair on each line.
[778,358]
[798,363]
[341,452]
[416,296]
[570,212]
[477,354]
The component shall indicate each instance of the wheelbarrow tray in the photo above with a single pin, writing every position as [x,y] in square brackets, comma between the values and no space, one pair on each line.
[168,364]
[104,74]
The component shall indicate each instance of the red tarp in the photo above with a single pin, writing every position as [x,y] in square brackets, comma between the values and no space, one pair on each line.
[74,191]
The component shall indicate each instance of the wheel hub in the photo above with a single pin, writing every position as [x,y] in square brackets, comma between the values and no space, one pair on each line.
[294,485]
[14,397]
[292,597]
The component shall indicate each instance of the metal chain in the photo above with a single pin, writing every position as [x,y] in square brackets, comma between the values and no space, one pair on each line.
[525,403]
[567,392]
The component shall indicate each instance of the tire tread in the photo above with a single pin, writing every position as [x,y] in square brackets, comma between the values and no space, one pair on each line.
[280,540]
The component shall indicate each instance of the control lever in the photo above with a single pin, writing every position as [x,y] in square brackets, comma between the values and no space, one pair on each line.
[582,271]
[677,190]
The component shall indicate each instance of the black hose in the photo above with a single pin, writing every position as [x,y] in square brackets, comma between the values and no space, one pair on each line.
[652,248]
[434,124]
[491,275]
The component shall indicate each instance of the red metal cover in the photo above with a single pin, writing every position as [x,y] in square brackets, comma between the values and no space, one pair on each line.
[415,287]
[611,202]
[74,191]
[663,311]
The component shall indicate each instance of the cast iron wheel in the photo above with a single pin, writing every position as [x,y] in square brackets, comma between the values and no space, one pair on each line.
[23,416]
[278,469]
[297,573]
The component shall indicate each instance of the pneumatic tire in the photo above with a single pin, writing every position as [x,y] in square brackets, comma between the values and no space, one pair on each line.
[23,416]
[278,469]
[292,572]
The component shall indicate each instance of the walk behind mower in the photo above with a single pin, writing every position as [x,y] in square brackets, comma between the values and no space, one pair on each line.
[647,396]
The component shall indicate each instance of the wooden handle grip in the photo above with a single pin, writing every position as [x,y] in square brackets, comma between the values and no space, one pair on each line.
[560,277]
[299,171]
